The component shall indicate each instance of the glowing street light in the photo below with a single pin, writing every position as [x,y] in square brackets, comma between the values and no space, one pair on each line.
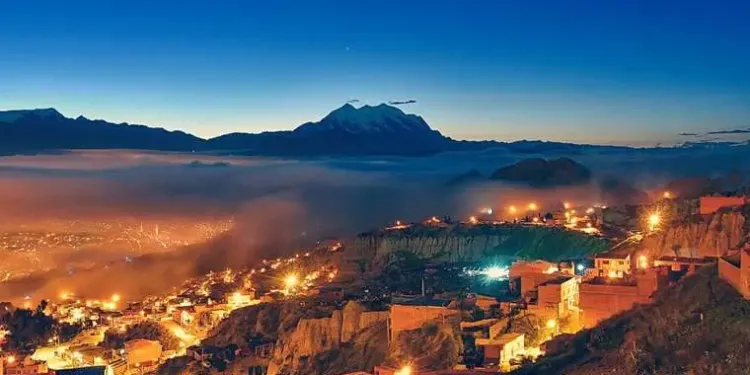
[496,272]
[566,205]
[653,221]
[532,206]
[642,262]
[473,220]
[291,281]
[667,195]
[551,324]
[11,359]
[115,298]
[406,370]
[512,209]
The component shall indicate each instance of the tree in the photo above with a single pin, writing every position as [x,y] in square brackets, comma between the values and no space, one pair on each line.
[30,329]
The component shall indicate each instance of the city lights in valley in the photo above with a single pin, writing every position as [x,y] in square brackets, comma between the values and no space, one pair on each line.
[406,370]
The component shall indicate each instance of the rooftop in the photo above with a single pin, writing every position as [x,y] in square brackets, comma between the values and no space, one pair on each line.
[686,260]
[423,301]
[91,370]
[556,281]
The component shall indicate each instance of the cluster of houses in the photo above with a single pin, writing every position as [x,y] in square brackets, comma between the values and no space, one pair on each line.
[136,358]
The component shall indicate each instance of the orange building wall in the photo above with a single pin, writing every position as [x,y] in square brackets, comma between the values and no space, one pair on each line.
[600,302]
[530,281]
[730,274]
[709,205]
[738,277]
[412,317]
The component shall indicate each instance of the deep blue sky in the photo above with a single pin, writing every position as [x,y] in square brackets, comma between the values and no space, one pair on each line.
[628,72]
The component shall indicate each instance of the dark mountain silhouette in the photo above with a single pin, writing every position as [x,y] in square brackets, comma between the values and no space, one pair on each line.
[378,130]
[541,172]
[368,130]
[40,129]
[350,131]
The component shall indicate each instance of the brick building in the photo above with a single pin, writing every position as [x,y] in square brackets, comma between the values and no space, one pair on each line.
[603,298]
[709,205]
[613,264]
[414,313]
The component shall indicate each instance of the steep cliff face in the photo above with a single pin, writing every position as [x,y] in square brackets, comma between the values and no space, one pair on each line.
[459,243]
[297,352]
[430,347]
[712,236]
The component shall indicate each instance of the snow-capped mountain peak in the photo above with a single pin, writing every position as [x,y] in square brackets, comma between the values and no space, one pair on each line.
[368,120]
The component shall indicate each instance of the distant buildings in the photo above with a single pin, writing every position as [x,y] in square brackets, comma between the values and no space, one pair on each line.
[612,264]
[10,365]
[709,205]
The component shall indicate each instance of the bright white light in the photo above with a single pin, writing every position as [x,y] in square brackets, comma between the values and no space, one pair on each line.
[496,272]
[580,267]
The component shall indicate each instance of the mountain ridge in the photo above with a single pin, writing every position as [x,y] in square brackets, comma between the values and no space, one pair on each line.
[345,131]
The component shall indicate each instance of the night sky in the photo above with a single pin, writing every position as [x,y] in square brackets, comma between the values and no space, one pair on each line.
[623,72]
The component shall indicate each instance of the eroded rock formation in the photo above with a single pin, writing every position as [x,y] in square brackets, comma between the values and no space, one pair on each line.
[295,352]
[460,243]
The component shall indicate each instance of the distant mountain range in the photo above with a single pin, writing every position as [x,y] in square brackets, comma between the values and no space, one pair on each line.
[368,130]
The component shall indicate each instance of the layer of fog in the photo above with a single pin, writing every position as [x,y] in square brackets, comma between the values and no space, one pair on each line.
[276,204]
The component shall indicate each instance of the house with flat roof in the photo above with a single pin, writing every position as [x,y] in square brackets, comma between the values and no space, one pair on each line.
[501,349]
[710,204]
[412,314]
[613,263]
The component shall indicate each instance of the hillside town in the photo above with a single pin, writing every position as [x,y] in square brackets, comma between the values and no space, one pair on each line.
[505,315]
